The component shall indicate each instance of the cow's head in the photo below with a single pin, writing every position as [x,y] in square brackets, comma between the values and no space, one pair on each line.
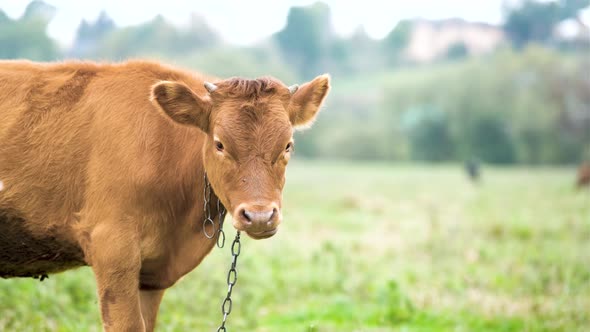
[249,126]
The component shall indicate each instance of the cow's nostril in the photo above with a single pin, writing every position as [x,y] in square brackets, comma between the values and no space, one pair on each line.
[257,217]
[247,215]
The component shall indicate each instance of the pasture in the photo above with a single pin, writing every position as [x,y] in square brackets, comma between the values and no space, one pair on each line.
[375,247]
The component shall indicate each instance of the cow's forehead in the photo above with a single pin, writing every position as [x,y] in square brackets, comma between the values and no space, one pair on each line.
[247,121]
[263,112]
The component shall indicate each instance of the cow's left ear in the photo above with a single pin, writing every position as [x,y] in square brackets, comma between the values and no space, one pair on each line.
[307,100]
[181,104]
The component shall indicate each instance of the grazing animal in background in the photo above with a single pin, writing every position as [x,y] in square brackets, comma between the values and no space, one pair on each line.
[473,170]
[583,179]
[104,165]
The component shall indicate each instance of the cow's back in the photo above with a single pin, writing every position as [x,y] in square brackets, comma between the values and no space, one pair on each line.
[70,135]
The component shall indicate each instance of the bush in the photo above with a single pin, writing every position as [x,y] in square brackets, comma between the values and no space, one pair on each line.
[531,107]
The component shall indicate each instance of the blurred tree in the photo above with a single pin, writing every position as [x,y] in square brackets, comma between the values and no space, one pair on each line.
[228,61]
[155,37]
[307,38]
[532,21]
[536,111]
[90,35]
[396,41]
[570,90]
[535,21]
[27,37]
[572,8]
[4,18]
[431,140]
[457,51]
[357,54]
[489,138]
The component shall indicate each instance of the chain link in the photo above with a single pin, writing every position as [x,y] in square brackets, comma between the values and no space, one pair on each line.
[208,221]
[236,248]
[232,278]
[221,215]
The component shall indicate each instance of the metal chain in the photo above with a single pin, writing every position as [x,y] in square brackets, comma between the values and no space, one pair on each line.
[208,221]
[207,198]
[236,248]
[232,278]
[221,215]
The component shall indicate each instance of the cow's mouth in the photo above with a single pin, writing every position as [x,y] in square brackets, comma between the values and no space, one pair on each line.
[262,235]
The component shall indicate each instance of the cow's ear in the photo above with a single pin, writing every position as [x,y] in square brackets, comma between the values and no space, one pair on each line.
[307,100]
[181,104]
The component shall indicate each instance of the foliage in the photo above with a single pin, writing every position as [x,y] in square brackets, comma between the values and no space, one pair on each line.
[154,37]
[26,37]
[537,111]
[306,37]
[457,51]
[428,134]
[535,21]
[90,36]
[397,40]
[246,62]
[354,55]
[524,115]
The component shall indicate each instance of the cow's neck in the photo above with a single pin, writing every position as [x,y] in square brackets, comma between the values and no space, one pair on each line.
[191,243]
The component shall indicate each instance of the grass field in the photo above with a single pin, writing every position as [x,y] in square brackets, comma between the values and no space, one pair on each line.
[375,247]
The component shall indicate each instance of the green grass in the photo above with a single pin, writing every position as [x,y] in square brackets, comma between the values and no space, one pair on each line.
[376,247]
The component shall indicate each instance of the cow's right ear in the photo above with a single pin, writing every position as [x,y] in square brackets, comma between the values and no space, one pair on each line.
[181,104]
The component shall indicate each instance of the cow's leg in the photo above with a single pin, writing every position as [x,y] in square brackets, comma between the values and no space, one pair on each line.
[115,258]
[150,303]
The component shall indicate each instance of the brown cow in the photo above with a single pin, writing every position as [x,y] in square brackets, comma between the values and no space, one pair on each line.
[104,164]
[583,175]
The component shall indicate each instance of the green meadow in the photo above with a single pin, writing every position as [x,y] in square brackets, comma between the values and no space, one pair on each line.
[375,247]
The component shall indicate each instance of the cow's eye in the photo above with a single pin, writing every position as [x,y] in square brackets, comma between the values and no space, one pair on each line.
[289,147]
[219,146]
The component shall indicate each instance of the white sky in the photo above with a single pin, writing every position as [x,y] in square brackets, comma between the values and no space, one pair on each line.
[247,21]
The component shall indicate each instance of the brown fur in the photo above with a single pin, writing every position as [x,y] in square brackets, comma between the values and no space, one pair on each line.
[107,299]
[103,165]
[249,89]
[583,179]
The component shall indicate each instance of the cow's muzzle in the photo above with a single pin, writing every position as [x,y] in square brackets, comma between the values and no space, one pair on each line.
[258,220]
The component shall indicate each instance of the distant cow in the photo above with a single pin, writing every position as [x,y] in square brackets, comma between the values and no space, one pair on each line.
[583,175]
[473,169]
[104,165]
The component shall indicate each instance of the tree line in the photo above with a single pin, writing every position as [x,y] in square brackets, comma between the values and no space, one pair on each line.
[528,102]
